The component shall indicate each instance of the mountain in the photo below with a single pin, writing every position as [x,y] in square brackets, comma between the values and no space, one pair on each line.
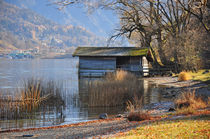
[24,29]
[101,22]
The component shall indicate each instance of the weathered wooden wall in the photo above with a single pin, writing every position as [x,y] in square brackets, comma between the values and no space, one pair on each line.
[132,64]
[96,66]
[99,66]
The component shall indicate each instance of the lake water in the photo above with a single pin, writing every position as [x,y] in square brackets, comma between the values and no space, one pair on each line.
[14,72]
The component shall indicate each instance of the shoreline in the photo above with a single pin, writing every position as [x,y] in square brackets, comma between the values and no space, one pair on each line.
[59,126]
[112,126]
[173,87]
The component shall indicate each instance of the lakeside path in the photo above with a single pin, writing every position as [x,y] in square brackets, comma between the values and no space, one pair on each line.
[171,81]
[172,84]
[90,129]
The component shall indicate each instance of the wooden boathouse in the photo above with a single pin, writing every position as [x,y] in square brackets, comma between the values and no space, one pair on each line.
[97,61]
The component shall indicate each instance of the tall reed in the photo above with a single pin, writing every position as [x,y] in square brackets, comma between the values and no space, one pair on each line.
[115,90]
[35,93]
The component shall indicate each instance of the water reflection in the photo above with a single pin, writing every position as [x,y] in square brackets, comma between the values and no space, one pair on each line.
[151,92]
[75,92]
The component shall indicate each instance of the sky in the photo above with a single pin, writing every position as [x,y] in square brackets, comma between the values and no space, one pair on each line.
[100,22]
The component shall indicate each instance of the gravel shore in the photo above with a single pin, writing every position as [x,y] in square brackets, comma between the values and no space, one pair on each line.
[85,130]
[174,87]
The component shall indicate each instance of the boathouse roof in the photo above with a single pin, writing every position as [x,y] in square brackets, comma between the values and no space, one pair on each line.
[110,51]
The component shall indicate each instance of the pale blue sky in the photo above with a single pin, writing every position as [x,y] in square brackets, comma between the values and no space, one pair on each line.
[101,22]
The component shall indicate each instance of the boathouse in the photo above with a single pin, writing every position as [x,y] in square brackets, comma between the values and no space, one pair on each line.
[97,61]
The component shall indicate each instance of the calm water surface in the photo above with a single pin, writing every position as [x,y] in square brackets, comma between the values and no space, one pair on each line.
[14,72]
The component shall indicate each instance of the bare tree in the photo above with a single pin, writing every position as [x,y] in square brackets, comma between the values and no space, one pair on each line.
[160,21]
[197,8]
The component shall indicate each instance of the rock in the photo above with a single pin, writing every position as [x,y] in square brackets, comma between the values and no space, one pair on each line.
[103,116]
[28,135]
[119,116]
[171,109]
[206,71]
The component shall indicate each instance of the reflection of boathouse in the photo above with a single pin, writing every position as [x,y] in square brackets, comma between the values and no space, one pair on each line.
[97,61]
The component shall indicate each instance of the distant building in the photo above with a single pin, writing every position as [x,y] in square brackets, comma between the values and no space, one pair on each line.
[97,61]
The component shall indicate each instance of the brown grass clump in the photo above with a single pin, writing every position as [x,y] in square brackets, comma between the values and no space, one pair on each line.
[134,104]
[121,75]
[135,108]
[186,111]
[184,76]
[139,116]
[35,93]
[188,100]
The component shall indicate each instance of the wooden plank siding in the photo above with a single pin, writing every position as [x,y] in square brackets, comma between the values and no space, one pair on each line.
[132,64]
[97,61]
[96,66]
[99,66]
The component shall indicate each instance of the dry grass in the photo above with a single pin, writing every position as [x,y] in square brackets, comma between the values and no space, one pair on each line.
[139,116]
[171,129]
[188,103]
[134,104]
[135,110]
[184,76]
[122,75]
[34,94]
[115,90]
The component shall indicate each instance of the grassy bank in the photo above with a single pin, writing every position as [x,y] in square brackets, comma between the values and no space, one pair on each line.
[201,75]
[184,128]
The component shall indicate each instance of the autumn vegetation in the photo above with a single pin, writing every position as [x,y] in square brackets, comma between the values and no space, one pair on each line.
[189,103]
[115,90]
[184,76]
[34,94]
[197,127]
[176,31]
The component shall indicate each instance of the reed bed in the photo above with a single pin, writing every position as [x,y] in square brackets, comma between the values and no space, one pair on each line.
[115,90]
[189,99]
[188,103]
[35,94]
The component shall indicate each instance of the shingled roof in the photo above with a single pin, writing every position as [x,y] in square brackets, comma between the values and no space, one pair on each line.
[110,51]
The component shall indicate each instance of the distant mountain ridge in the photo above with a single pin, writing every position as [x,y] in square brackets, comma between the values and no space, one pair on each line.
[24,29]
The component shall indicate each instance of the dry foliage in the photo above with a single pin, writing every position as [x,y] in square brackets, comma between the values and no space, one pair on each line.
[134,104]
[184,76]
[34,94]
[170,129]
[139,116]
[123,75]
[120,75]
[188,100]
[115,90]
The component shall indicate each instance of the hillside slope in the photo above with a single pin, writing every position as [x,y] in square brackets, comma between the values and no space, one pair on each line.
[24,29]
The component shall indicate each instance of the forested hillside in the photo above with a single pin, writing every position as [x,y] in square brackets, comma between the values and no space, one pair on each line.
[24,29]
